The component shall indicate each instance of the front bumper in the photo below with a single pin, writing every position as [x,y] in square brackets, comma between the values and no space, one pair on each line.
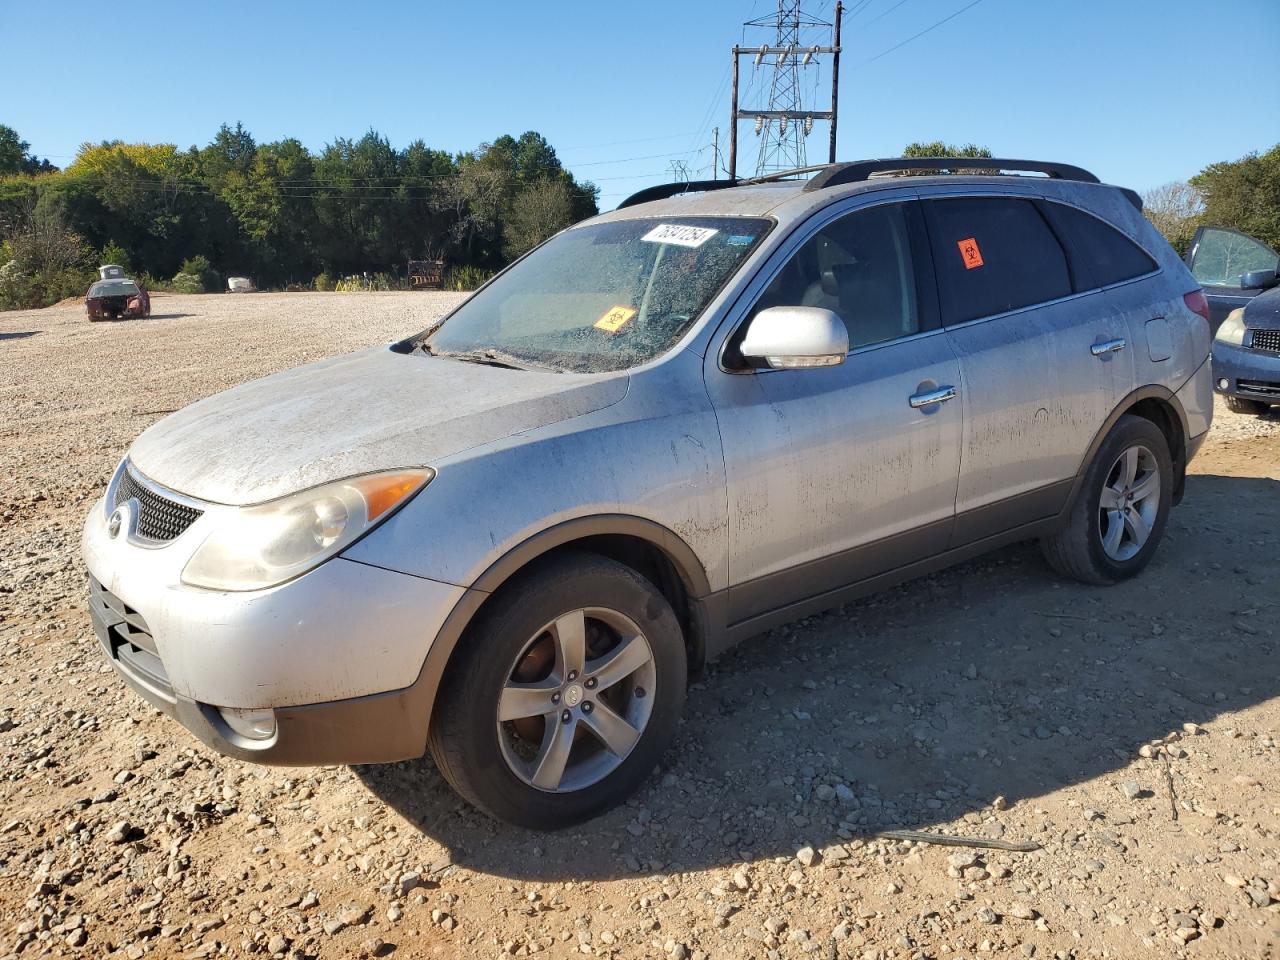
[1260,372]
[337,653]
[379,728]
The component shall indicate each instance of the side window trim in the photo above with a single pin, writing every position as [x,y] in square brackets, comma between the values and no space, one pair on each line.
[927,301]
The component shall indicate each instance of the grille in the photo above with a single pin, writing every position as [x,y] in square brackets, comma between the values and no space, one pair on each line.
[127,638]
[1266,340]
[1266,388]
[159,518]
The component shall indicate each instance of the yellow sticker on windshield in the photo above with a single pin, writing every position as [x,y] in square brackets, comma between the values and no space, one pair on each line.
[615,318]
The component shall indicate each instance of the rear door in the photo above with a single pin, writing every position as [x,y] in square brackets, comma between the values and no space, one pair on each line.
[1217,258]
[1041,369]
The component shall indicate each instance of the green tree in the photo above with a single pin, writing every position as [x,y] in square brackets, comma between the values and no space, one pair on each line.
[937,148]
[15,156]
[1244,194]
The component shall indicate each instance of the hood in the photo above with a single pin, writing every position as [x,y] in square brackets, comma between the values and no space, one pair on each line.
[1263,311]
[364,412]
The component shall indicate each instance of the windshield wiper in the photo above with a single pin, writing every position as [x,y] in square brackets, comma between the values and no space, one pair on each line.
[489,358]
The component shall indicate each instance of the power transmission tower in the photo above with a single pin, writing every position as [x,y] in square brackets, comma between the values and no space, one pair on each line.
[785,123]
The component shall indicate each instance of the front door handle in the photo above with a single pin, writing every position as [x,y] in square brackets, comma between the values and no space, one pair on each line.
[1107,346]
[932,397]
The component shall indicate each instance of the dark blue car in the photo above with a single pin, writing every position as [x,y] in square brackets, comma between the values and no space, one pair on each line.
[1241,280]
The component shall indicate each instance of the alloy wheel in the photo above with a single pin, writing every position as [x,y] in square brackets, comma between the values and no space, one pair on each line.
[576,700]
[1130,503]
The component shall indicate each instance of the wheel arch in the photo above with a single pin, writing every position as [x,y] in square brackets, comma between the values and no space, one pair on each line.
[649,548]
[1159,405]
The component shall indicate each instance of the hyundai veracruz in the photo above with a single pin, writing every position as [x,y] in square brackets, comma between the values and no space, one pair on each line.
[511,538]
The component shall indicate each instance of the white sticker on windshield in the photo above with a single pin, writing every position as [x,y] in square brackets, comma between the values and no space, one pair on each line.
[680,235]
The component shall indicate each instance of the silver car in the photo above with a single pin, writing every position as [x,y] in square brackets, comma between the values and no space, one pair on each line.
[511,539]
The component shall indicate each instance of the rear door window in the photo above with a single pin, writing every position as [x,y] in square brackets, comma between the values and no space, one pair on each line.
[993,255]
[1100,254]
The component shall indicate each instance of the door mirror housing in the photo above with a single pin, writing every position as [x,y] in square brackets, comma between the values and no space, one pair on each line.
[791,338]
[1259,279]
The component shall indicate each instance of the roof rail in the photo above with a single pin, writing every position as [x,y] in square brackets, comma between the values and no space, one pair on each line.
[663,190]
[838,173]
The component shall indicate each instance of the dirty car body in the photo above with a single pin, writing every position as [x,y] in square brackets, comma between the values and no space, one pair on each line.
[117,299]
[670,428]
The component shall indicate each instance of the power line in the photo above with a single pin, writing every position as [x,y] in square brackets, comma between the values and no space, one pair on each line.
[917,36]
[880,16]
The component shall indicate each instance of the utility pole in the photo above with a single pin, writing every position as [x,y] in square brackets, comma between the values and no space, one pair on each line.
[715,153]
[785,122]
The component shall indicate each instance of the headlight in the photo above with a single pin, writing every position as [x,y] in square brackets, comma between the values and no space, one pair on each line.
[267,544]
[1232,329]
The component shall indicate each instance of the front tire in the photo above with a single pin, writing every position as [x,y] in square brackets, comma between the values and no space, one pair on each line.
[1121,508]
[1245,405]
[564,696]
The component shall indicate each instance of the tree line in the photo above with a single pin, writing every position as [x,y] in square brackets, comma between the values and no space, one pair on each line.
[276,212]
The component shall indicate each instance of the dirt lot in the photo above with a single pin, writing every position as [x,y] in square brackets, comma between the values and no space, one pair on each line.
[1130,731]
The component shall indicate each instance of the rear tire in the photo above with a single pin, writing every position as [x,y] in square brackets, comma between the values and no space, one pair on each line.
[1120,511]
[539,736]
[1244,405]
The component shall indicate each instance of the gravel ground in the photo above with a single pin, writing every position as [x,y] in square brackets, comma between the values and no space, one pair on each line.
[1129,731]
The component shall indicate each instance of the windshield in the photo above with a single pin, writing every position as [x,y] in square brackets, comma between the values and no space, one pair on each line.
[601,297]
[114,288]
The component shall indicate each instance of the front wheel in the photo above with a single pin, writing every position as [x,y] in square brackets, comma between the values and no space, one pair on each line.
[565,695]
[1121,508]
[1245,405]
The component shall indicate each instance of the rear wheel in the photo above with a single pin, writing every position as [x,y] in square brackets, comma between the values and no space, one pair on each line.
[1244,405]
[567,692]
[1121,508]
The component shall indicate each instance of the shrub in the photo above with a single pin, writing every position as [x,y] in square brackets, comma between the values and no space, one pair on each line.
[184,282]
[199,267]
[114,253]
[323,282]
[466,278]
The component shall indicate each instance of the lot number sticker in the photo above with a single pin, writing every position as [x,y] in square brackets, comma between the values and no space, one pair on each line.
[679,235]
[615,318]
[970,253]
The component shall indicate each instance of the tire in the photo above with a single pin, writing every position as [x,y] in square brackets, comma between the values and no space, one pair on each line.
[1244,405]
[518,645]
[1088,548]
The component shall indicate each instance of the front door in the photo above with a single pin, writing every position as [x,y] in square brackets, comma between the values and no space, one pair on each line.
[833,474]
[1218,257]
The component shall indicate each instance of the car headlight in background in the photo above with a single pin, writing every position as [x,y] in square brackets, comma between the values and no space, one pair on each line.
[1232,329]
[260,546]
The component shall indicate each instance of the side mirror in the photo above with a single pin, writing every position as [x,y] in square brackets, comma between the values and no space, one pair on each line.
[1259,279]
[789,338]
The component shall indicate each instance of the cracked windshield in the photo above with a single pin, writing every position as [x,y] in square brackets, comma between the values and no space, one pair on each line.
[602,297]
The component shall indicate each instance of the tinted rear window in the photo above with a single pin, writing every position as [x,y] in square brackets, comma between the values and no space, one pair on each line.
[992,255]
[1100,254]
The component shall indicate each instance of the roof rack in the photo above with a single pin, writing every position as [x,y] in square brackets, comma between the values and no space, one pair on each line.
[837,173]
[663,190]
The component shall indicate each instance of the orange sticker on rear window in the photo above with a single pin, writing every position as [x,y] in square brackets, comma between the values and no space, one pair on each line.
[615,318]
[970,253]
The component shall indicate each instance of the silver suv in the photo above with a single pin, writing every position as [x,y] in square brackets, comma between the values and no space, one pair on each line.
[511,538]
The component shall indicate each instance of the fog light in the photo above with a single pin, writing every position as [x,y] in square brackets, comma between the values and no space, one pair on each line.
[253,724]
[1223,383]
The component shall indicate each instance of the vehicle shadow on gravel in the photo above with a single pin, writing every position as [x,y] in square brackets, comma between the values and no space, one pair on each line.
[18,334]
[914,707]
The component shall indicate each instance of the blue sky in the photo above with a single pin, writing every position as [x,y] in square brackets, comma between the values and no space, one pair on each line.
[1139,91]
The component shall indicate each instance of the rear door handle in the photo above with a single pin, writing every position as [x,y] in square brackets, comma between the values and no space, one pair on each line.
[932,397]
[1107,346]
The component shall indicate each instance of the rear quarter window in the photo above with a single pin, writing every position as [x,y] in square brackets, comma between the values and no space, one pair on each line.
[1100,254]
[993,255]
